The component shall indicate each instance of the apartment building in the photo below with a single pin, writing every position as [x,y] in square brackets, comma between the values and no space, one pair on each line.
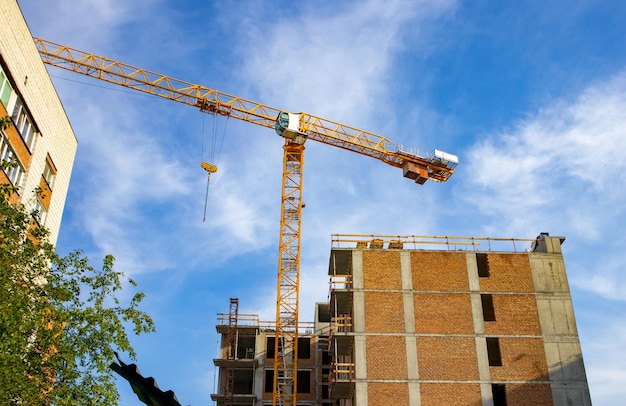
[39,140]
[464,321]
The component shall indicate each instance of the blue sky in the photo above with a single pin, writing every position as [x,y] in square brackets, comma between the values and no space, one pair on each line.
[530,95]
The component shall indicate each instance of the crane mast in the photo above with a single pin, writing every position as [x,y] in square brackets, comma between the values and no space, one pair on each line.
[296,128]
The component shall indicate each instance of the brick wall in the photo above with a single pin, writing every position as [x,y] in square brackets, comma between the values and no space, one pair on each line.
[528,395]
[442,271]
[447,358]
[507,273]
[515,314]
[523,359]
[450,394]
[381,270]
[443,313]
[387,394]
[384,312]
[386,357]
[444,341]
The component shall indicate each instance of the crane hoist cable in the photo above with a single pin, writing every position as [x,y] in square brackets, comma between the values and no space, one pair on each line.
[214,154]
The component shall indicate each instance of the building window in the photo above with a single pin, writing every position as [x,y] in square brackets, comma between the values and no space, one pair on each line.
[270,342]
[499,394]
[325,392]
[5,89]
[493,352]
[14,171]
[489,313]
[24,124]
[49,172]
[41,212]
[303,381]
[483,265]
[325,358]
[323,313]
[304,347]
[269,380]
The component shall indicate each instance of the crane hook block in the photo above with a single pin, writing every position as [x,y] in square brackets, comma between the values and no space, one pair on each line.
[210,168]
[288,126]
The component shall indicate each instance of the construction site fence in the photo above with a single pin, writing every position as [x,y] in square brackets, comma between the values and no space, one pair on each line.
[252,320]
[450,243]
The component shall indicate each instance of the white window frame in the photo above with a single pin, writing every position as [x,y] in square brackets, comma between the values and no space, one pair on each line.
[49,174]
[14,173]
[41,211]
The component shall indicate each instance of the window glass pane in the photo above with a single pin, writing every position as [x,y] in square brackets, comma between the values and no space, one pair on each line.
[6,90]
[16,110]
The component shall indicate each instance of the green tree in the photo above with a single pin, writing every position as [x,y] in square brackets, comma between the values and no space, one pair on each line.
[60,319]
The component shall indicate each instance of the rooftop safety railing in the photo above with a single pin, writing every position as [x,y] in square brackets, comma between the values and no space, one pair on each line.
[450,243]
[252,320]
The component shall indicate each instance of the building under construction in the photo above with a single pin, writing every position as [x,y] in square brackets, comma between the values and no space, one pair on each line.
[423,321]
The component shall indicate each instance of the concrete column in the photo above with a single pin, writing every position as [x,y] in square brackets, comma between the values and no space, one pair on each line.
[358,319]
[409,328]
[479,330]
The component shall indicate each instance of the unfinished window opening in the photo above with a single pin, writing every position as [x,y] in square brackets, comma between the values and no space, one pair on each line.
[303,381]
[493,351]
[499,394]
[246,347]
[244,380]
[269,380]
[325,358]
[304,347]
[483,265]
[270,342]
[323,313]
[489,313]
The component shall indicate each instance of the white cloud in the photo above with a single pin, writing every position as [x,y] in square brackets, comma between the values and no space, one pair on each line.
[560,169]
[558,156]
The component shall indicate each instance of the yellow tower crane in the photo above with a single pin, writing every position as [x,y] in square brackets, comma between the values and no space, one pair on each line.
[296,128]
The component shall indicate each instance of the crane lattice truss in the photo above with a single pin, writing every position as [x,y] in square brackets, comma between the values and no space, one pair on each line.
[296,129]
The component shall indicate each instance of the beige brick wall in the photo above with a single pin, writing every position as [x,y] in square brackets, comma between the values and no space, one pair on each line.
[444,271]
[447,358]
[386,357]
[450,394]
[32,81]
